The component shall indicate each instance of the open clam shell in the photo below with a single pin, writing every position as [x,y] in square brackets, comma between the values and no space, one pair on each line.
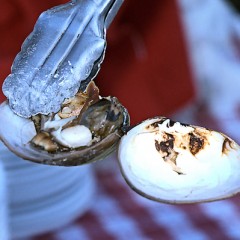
[17,133]
[57,63]
[172,162]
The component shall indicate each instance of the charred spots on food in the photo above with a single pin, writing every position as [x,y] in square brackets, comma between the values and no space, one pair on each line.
[170,123]
[185,124]
[167,152]
[196,143]
[155,125]
[227,145]
[165,146]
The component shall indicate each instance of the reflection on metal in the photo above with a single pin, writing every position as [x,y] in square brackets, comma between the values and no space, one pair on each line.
[61,55]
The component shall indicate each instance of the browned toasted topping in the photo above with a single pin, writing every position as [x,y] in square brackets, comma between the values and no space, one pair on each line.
[166,150]
[196,143]
[155,124]
[165,146]
[227,143]
[44,141]
[80,102]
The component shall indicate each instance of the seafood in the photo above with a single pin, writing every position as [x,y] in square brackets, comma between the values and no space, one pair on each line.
[82,131]
[54,113]
[172,162]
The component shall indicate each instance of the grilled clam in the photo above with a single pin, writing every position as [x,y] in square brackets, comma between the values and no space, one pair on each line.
[87,128]
[172,162]
[54,114]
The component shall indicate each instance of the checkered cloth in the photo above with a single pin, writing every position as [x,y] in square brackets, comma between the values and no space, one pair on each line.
[119,213]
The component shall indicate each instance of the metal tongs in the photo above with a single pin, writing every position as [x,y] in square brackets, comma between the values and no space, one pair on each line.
[61,55]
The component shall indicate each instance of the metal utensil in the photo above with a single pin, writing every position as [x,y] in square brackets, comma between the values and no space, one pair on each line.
[61,55]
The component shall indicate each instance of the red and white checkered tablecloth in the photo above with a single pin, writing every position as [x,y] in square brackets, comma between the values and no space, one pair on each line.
[118,213]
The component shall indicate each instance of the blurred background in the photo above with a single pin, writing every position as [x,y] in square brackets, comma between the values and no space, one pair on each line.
[178,58]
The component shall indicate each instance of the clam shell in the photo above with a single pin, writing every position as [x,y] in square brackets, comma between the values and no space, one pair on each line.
[171,162]
[16,133]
